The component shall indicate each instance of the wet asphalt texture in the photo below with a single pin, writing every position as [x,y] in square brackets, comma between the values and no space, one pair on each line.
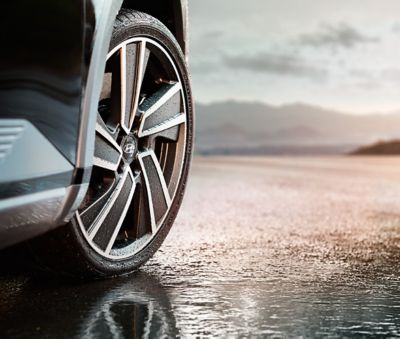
[263,247]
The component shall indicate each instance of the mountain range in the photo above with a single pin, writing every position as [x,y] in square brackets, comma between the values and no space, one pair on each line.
[233,127]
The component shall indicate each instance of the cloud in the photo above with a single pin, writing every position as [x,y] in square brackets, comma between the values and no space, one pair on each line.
[396,28]
[375,78]
[213,34]
[206,66]
[391,74]
[361,74]
[341,35]
[204,44]
[279,64]
[364,79]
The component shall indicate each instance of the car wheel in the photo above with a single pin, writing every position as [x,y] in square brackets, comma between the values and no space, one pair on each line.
[142,153]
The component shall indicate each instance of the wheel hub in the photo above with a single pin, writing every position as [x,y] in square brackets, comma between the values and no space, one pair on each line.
[129,146]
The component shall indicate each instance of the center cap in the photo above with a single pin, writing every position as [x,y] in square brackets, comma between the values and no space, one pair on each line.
[129,148]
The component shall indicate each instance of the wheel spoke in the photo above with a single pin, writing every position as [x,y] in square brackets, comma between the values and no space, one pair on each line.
[158,197]
[134,58]
[116,88]
[91,212]
[107,153]
[162,110]
[104,230]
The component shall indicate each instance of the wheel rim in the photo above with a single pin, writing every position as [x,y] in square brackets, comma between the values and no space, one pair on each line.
[139,149]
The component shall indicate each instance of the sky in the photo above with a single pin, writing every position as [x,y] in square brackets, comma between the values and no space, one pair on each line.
[339,54]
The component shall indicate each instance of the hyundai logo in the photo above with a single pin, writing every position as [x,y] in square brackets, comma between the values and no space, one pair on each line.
[129,149]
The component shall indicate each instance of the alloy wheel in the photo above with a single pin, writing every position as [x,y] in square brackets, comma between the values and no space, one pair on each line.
[139,149]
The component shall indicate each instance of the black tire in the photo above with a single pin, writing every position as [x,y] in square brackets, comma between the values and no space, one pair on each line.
[67,249]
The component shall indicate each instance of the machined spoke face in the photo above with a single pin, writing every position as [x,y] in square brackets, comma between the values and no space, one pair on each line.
[162,110]
[134,59]
[107,152]
[158,196]
[139,150]
[105,229]
[93,210]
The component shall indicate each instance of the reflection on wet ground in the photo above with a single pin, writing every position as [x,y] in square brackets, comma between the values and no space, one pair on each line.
[278,247]
[124,308]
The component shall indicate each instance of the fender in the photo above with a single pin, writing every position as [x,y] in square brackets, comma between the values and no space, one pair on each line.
[100,16]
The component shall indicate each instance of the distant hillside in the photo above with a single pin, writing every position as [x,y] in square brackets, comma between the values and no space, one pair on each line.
[232,127]
[380,148]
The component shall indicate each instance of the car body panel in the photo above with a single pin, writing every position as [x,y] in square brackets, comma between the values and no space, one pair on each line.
[41,67]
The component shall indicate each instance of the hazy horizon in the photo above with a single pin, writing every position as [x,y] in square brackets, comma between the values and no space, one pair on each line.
[298,103]
[331,54]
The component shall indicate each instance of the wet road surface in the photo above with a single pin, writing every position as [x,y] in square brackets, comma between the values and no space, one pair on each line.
[276,247]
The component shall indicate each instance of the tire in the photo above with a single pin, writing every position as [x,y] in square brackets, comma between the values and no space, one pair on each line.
[154,140]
